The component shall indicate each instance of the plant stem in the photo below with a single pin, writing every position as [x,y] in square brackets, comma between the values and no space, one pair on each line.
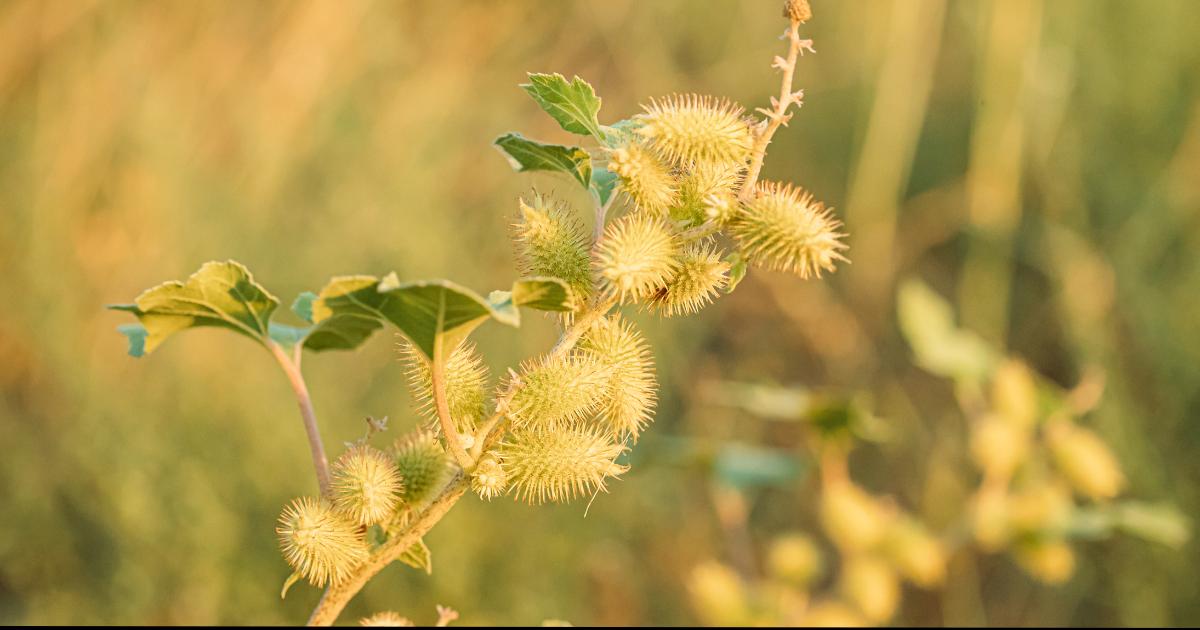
[453,441]
[296,378]
[778,115]
[338,595]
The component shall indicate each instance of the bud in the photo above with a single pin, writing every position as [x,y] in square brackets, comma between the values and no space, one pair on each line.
[872,586]
[560,463]
[718,595]
[422,464]
[646,180]
[784,229]
[999,447]
[708,192]
[1014,393]
[990,520]
[488,480]
[554,392]
[691,129]
[1085,460]
[1051,562]
[700,277]
[794,558]
[318,543]
[916,554]
[551,242]
[853,519]
[637,256]
[386,619]
[1041,507]
[365,485]
[466,379]
[797,10]
[629,402]
[832,614]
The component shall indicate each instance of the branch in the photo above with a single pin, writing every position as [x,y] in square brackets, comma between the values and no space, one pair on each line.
[296,378]
[778,115]
[437,373]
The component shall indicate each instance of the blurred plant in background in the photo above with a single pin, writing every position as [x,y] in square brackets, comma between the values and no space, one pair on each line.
[1033,460]
[1032,160]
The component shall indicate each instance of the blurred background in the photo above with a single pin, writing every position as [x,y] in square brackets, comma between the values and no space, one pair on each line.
[1035,162]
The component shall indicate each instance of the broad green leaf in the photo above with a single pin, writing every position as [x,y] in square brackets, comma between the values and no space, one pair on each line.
[573,104]
[927,321]
[527,155]
[436,315]
[418,556]
[344,314]
[614,134]
[603,183]
[220,294]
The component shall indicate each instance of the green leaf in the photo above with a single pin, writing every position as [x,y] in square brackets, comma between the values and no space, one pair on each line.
[942,348]
[418,556]
[222,294]
[543,294]
[136,333]
[573,104]
[614,134]
[737,270]
[436,315]
[528,155]
[344,314]
[744,466]
[603,183]
[287,336]
[302,306]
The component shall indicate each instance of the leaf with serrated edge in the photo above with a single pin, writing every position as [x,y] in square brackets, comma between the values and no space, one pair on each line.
[543,294]
[573,104]
[418,556]
[529,155]
[344,314]
[222,294]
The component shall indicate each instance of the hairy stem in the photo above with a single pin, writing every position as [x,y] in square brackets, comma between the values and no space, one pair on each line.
[338,595]
[453,441]
[291,367]
[778,115]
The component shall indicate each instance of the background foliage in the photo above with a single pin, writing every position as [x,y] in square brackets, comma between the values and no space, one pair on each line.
[1035,161]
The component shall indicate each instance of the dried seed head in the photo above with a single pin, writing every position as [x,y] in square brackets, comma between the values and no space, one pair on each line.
[555,392]
[646,180]
[466,382]
[551,242]
[699,279]
[689,128]
[916,554]
[1085,460]
[708,192]
[386,619]
[559,464]
[366,485]
[318,543]
[782,228]
[631,389]
[853,519]
[794,558]
[637,256]
[1050,561]
[422,463]
[872,586]
[488,480]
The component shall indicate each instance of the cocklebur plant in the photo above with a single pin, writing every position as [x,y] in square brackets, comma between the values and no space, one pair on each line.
[1046,484]
[678,215]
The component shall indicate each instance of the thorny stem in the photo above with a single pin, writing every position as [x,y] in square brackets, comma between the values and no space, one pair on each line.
[438,376]
[778,115]
[291,367]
